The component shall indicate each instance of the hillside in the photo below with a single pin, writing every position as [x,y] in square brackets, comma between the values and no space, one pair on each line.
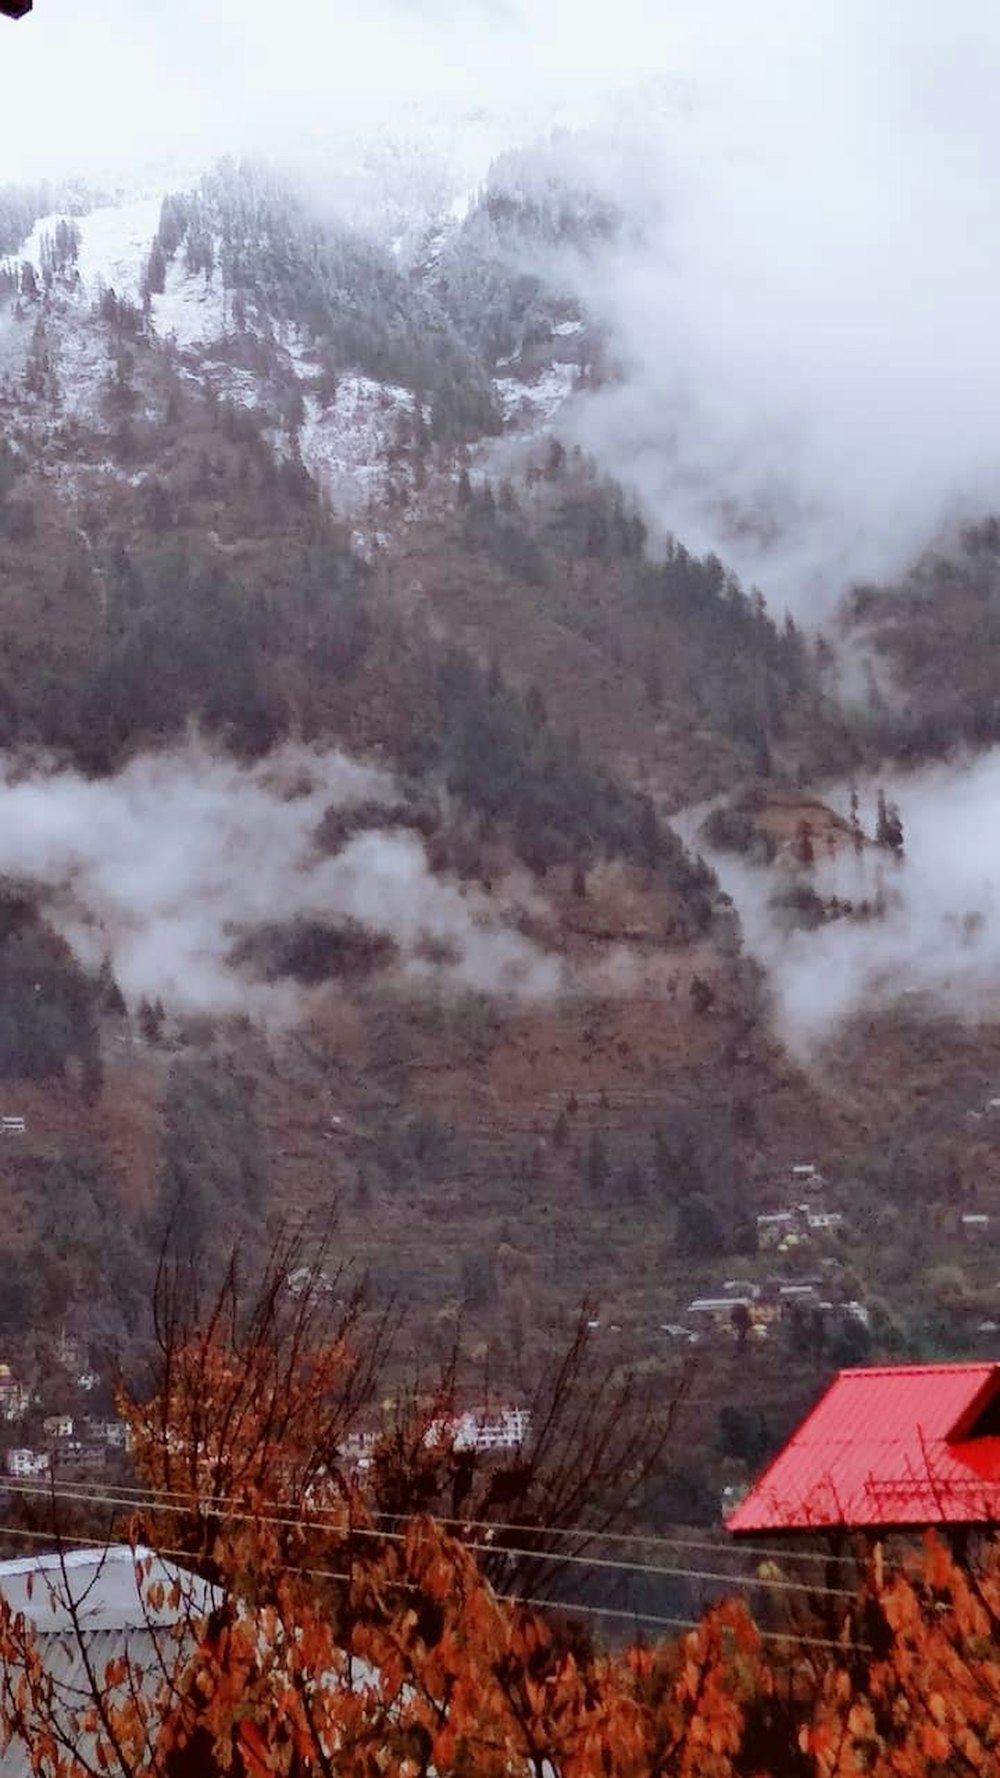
[353,721]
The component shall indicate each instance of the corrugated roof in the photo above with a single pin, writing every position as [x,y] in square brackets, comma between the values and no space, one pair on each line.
[896,1445]
[106,1591]
[101,1588]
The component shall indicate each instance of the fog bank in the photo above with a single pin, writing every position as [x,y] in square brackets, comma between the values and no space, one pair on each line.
[937,946]
[164,866]
[806,324]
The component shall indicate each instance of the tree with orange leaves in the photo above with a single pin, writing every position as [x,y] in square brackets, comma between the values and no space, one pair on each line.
[335,1622]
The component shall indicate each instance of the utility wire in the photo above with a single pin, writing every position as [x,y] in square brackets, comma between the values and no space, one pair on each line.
[224,1503]
[78,1496]
[636,1617]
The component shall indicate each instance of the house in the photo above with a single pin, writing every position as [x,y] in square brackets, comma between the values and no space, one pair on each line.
[717,1311]
[58,1426]
[805,1173]
[773,1227]
[311,1280]
[15,1398]
[975,1227]
[854,1311]
[12,1126]
[822,1222]
[806,1294]
[22,1462]
[504,1429]
[117,1626]
[358,1449]
[113,1434]
[785,1229]
[887,1447]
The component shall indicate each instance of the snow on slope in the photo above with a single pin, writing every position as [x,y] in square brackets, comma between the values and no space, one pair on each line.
[114,245]
[529,405]
[348,446]
[345,445]
[192,309]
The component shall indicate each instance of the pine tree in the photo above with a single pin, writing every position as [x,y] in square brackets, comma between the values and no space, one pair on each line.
[597,1164]
[857,837]
[889,826]
[155,277]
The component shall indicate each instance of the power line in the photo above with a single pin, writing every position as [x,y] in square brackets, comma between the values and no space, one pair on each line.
[220,1503]
[636,1617]
[78,1495]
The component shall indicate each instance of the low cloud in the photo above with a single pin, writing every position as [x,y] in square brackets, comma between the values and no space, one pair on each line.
[938,943]
[804,311]
[165,866]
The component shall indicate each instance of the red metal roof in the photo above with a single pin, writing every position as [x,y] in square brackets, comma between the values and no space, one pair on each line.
[899,1445]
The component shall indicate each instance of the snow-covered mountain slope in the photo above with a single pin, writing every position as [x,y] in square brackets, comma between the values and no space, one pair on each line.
[350,344]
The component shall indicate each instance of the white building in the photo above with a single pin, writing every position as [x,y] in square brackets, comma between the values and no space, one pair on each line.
[479,1430]
[58,1426]
[23,1462]
[15,1398]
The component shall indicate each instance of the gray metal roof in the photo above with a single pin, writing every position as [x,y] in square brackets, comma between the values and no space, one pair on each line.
[102,1587]
[105,1589]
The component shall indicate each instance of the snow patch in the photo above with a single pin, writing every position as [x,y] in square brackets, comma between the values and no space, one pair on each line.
[192,308]
[529,405]
[344,446]
[230,382]
[114,246]
[82,366]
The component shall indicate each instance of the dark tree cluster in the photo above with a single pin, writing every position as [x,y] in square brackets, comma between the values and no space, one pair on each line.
[503,536]
[498,276]
[497,752]
[752,671]
[311,951]
[48,1014]
[213,1180]
[22,205]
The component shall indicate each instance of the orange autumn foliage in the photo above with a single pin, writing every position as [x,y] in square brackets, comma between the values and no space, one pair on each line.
[346,1642]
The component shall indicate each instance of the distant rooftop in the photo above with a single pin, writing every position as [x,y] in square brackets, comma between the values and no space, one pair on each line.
[891,1446]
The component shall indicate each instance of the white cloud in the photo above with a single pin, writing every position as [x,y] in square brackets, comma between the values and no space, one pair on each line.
[808,326]
[164,866]
[940,935]
[112,85]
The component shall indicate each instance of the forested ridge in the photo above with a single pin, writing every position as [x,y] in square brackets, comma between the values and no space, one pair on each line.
[544,681]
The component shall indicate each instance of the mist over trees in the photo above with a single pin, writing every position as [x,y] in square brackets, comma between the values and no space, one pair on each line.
[503,277]
[344,290]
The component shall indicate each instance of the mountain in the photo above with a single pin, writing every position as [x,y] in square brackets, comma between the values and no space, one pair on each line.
[359,743]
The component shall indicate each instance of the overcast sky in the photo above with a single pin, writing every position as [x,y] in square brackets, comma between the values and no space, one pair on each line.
[92,82]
